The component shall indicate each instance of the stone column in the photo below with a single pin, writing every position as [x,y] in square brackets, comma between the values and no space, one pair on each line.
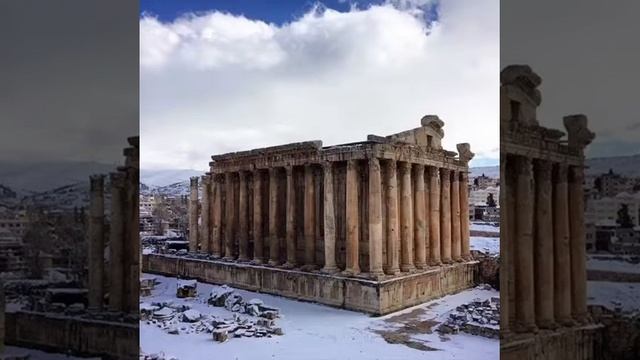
[290,227]
[116,243]
[562,257]
[96,242]
[464,216]
[393,239]
[445,215]
[229,212]
[434,216]
[420,221]
[353,231]
[577,245]
[216,231]
[375,218]
[193,214]
[274,242]
[243,219]
[309,219]
[525,291]
[258,240]
[456,239]
[205,216]
[543,250]
[505,252]
[406,216]
[329,220]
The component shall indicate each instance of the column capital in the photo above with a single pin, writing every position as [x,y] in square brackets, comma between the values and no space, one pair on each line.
[117,179]
[464,176]
[404,167]
[433,171]
[444,172]
[544,167]
[327,166]
[374,163]
[576,174]
[289,170]
[193,181]
[562,170]
[523,166]
[351,164]
[418,167]
[206,179]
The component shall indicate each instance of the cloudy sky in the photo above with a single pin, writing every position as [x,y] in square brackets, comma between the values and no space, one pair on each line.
[68,80]
[239,76]
[588,56]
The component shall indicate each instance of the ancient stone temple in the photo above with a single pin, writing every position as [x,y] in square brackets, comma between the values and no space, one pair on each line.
[123,238]
[543,275]
[386,219]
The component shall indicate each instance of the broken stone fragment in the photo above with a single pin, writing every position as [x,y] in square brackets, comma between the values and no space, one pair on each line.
[191,316]
[278,331]
[220,335]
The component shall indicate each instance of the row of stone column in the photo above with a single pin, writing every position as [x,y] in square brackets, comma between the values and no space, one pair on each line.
[543,251]
[430,227]
[124,243]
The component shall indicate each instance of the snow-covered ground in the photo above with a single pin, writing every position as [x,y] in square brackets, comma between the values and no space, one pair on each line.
[40,355]
[313,331]
[612,295]
[488,245]
[484,227]
[616,264]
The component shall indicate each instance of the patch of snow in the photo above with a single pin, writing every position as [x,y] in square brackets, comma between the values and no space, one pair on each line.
[615,295]
[487,245]
[484,227]
[325,332]
[613,264]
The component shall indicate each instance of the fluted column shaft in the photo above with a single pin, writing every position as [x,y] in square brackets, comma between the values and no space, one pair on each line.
[243,219]
[274,242]
[464,216]
[393,238]
[525,291]
[329,220]
[193,214]
[419,223]
[406,216]
[352,214]
[577,245]
[375,218]
[204,215]
[309,218]
[290,226]
[456,238]
[116,243]
[445,215]
[434,216]
[258,240]
[562,257]
[96,242]
[229,211]
[543,250]
[216,227]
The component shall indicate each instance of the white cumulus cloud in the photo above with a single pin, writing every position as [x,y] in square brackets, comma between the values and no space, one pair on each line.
[217,82]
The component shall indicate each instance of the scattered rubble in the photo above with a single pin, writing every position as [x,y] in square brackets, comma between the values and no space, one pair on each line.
[480,318]
[187,288]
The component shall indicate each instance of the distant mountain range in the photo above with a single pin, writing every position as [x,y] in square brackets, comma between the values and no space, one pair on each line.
[623,165]
[160,178]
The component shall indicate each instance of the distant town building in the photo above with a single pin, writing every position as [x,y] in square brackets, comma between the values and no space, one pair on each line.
[604,211]
[611,184]
[12,263]
[483,182]
[479,197]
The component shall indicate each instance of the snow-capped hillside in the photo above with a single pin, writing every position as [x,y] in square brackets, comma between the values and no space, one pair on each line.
[172,190]
[26,178]
[64,197]
[490,171]
[624,165]
[167,177]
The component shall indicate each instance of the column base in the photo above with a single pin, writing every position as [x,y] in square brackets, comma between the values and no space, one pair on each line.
[567,322]
[378,275]
[447,261]
[421,266]
[547,324]
[526,328]
[308,267]
[216,255]
[273,263]
[257,261]
[288,265]
[228,258]
[330,270]
[435,263]
[467,257]
[395,271]
[407,268]
[243,258]
[351,272]
[458,259]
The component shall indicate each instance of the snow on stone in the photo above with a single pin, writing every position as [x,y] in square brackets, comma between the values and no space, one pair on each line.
[487,245]
[325,332]
[620,296]
[484,227]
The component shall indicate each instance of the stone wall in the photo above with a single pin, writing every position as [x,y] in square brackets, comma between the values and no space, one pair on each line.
[81,337]
[376,297]
[579,343]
